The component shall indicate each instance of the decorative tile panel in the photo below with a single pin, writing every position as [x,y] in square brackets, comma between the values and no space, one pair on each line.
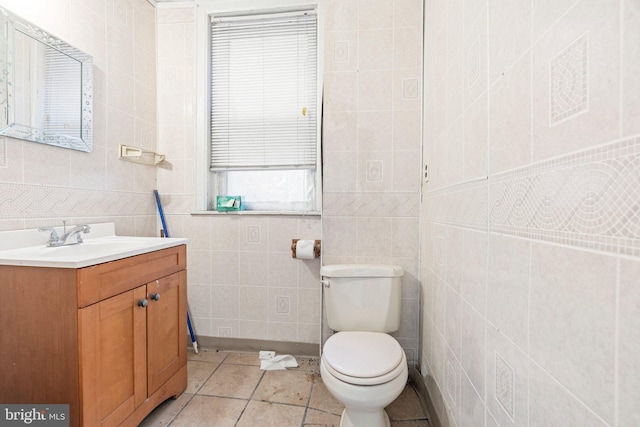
[504,385]
[282,304]
[589,199]
[410,89]
[463,205]
[341,51]
[374,170]
[372,204]
[120,12]
[569,82]
[23,201]
[253,234]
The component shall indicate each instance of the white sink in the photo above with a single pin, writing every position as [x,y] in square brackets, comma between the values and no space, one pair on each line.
[103,246]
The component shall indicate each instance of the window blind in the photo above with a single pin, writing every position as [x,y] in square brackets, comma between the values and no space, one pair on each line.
[62,95]
[263,92]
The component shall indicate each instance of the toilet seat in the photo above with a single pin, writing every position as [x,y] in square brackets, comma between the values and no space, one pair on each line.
[363,358]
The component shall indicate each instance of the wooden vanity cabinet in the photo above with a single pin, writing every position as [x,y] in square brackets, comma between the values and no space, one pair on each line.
[113,345]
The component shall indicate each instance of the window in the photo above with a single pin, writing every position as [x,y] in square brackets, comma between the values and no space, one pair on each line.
[264,122]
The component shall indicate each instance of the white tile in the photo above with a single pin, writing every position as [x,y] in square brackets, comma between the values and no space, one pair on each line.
[199,265]
[454,29]
[375,14]
[341,51]
[199,299]
[340,172]
[471,405]
[406,171]
[545,13]
[507,42]
[341,89]
[552,405]
[474,55]
[253,303]
[341,15]
[375,90]
[224,267]
[473,347]
[474,264]
[282,269]
[376,49]
[373,236]
[454,168]
[453,321]
[253,268]
[629,339]
[406,130]
[507,380]
[407,47]
[510,123]
[375,171]
[339,131]
[476,137]
[508,288]
[631,68]
[407,13]
[577,65]
[375,130]
[572,322]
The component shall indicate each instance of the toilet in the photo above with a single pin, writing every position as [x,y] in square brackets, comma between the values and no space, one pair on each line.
[363,366]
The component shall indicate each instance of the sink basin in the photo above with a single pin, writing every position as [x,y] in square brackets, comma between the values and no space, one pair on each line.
[89,248]
[92,251]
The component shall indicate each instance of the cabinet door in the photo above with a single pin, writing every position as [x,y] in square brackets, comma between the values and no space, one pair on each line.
[166,328]
[113,358]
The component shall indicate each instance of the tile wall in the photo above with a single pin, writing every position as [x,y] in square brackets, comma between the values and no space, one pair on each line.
[530,248]
[42,185]
[372,140]
[243,282]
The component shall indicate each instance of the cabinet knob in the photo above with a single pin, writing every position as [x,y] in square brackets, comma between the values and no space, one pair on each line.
[155,296]
[142,303]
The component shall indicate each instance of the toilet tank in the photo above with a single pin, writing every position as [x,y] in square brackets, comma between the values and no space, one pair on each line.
[362,297]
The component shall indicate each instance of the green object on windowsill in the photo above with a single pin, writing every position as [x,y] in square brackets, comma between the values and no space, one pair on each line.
[229,203]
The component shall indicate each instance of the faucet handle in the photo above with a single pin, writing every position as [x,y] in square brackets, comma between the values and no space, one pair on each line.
[84,228]
[53,237]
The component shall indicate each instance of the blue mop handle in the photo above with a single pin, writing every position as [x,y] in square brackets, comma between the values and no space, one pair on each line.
[164,224]
[166,234]
[193,335]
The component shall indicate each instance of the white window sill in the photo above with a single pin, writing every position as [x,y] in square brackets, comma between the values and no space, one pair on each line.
[272,213]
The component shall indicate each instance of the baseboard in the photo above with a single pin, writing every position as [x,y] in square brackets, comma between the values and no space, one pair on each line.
[241,344]
[425,400]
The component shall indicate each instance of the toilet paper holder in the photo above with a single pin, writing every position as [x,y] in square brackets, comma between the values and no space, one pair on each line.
[316,248]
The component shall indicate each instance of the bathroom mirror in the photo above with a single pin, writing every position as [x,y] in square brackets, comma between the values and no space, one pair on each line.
[46,86]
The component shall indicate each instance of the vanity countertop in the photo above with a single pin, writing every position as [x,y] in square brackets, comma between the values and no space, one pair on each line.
[101,244]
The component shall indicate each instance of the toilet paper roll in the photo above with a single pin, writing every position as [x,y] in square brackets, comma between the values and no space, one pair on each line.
[305,249]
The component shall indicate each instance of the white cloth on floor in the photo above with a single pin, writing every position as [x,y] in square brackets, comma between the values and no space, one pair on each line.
[270,362]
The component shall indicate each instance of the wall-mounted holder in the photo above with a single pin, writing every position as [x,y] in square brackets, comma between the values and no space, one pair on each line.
[305,249]
[139,155]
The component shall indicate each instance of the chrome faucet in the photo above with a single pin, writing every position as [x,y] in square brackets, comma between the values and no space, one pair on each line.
[55,240]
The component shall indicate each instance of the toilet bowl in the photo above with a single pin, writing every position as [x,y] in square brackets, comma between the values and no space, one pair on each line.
[366,371]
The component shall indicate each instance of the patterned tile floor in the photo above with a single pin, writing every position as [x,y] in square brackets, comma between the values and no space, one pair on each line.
[229,389]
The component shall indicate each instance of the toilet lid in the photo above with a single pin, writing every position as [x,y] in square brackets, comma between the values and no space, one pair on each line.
[365,355]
